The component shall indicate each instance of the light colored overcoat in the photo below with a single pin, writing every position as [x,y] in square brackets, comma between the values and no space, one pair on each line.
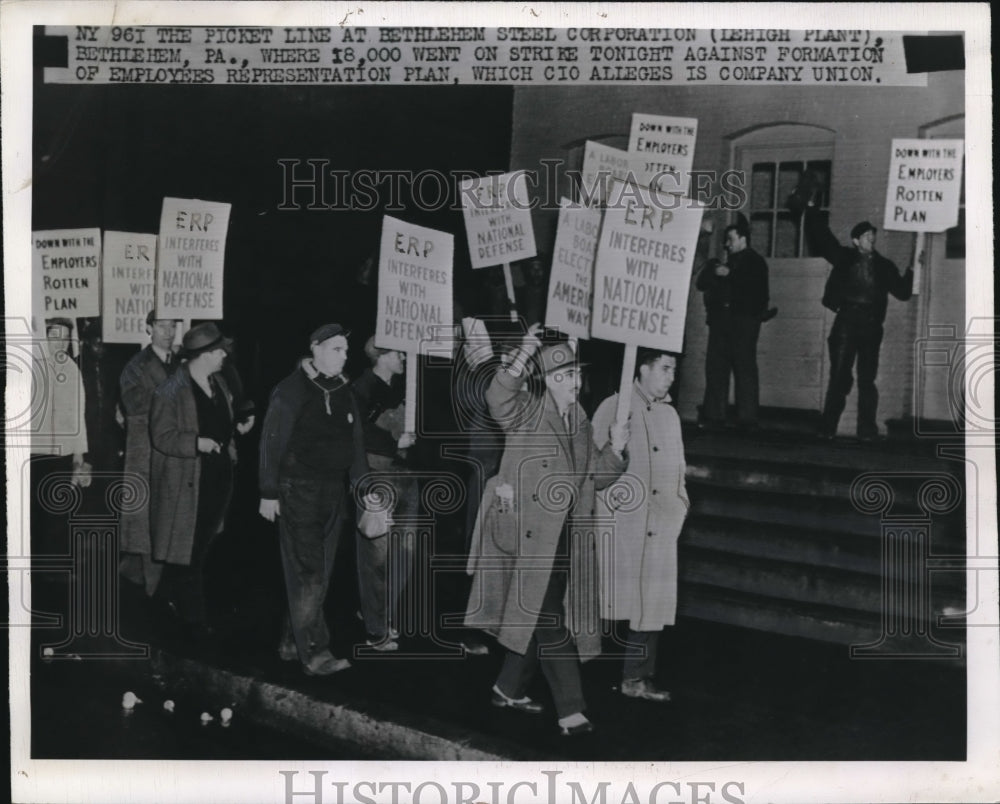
[649,504]
[553,474]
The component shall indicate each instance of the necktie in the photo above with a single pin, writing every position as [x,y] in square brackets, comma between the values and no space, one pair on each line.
[168,359]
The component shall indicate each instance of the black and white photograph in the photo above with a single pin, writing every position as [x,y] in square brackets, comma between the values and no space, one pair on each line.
[465,403]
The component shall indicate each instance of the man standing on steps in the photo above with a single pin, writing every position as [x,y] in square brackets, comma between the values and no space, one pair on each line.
[857,290]
[736,297]
[311,450]
[639,563]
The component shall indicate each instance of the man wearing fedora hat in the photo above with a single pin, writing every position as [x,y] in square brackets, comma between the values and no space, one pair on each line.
[191,471]
[857,290]
[311,451]
[139,379]
[532,558]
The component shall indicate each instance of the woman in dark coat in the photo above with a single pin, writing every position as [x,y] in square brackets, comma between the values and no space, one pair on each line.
[191,429]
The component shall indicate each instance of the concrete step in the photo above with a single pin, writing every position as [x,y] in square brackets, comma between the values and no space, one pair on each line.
[817,622]
[819,547]
[800,584]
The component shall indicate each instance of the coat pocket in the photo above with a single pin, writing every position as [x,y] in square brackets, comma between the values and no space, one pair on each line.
[502,529]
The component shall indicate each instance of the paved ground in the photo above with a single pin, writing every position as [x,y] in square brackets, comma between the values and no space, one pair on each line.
[738,695]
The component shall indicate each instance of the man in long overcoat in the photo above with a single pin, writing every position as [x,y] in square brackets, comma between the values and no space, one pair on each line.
[533,558]
[146,370]
[649,504]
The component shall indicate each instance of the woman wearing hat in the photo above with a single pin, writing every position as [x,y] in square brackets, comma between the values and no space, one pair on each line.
[532,559]
[191,429]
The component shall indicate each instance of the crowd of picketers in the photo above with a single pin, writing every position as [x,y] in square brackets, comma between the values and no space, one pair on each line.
[571,522]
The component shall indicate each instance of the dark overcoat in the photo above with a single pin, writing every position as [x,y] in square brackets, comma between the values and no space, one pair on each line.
[553,475]
[142,374]
[175,467]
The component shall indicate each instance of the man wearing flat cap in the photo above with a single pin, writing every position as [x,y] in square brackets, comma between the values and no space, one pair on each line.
[533,557]
[857,290]
[311,452]
[139,379]
[192,432]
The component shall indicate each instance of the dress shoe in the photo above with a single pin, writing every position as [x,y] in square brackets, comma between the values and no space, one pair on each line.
[644,688]
[524,704]
[326,664]
[475,648]
[384,645]
[584,726]
[288,653]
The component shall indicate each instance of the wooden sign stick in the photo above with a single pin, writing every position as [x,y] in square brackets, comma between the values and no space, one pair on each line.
[509,280]
[918,250]
[625,387]
[410,404]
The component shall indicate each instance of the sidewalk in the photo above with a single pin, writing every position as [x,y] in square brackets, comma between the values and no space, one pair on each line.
[739,695]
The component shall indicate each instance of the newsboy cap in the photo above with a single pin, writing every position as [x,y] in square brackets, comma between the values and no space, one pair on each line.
[204,338]
[860,228]
[326,332]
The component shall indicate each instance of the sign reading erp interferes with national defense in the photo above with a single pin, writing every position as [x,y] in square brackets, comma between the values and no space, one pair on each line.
[415,273]
[925,185]
[497,219]
[128,285]
[571,278]
[65,273]
[192,250]
[643,268]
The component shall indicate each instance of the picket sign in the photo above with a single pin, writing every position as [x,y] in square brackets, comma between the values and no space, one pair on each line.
[414,298]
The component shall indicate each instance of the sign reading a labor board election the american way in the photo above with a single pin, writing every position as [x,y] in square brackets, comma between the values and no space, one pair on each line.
[498,219]
[601,163]
[65,268]
[571,278]
[643,269]
[192,251]
[925,184]
[128,285]
[415,289]
[661,151]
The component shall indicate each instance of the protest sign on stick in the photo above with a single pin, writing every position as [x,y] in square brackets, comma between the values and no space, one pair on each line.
[601,163]
[191,258]
[414,297]
[65,271]
[571,278]
[661,151]
[924,189]
[498,224]
[128,285]
[642,273]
